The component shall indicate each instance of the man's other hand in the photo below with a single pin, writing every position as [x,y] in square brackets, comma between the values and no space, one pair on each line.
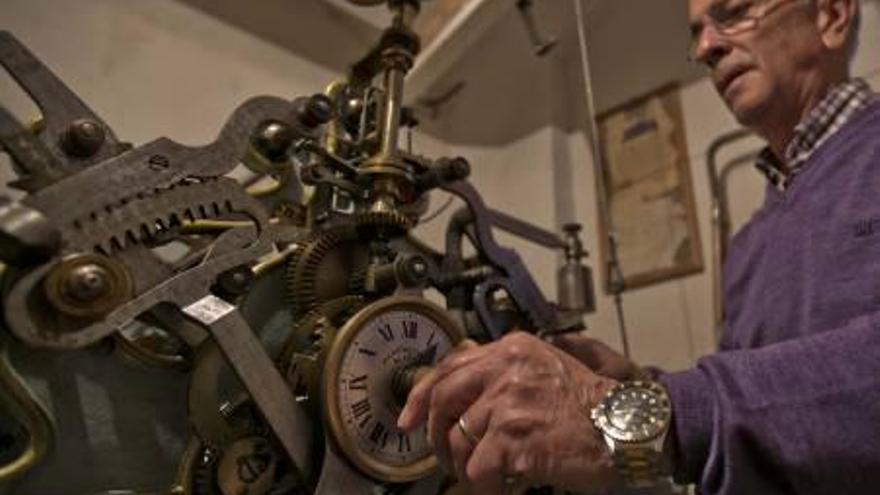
[600,358]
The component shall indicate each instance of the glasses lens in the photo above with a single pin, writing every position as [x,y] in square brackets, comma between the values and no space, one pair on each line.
[732,18]
[735,17]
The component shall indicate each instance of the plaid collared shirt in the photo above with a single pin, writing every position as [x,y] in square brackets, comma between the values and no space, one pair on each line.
[839,105]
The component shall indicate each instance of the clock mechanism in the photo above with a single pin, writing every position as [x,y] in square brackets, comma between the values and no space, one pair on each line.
[156,272]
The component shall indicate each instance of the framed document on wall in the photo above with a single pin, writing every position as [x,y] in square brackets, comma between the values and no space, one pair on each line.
[649,191]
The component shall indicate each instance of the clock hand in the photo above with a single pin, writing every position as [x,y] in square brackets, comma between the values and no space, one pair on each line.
[406,377]
[426,357]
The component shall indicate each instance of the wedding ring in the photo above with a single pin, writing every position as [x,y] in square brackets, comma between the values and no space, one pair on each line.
[512,484]
[467,434]
[511,479]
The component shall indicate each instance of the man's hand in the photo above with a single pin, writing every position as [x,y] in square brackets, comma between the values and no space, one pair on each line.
[600,358]
[525,410]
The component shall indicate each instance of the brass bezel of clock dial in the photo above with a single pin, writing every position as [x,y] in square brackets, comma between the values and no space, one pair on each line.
[331,380]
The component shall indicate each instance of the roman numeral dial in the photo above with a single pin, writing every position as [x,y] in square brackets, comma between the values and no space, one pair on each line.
[373,348]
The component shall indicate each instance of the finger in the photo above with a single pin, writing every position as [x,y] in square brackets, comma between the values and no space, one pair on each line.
[460,447]
[485,468]
[456,394]
[587,350]
[600,358]
[479,386]
[460,443]
[415,412]
[452,397]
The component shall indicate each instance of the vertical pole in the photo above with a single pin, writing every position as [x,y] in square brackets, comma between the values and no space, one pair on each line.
[615,275]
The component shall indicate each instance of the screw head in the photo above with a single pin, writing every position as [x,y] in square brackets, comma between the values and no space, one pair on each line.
[83,138]
[318,111]
[235,281]
[273,139]
[419,267]
[414,271]
[87,283]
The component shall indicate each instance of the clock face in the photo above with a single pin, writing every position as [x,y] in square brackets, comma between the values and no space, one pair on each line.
[364,399]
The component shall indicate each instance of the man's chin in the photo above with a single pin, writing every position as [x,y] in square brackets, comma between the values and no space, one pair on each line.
[747,112]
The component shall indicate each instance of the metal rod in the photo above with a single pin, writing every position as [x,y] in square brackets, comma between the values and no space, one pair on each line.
[20,401]
[525,230]
[391,110]
[615,275]
[720,222]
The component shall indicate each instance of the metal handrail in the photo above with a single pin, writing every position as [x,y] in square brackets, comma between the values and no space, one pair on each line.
[720,215]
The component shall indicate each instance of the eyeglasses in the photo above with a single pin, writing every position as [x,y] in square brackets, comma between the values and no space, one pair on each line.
[732,18]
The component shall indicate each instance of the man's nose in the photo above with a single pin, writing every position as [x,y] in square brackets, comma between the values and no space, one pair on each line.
[710,46]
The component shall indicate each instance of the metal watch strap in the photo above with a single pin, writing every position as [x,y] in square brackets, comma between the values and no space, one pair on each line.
[638,466]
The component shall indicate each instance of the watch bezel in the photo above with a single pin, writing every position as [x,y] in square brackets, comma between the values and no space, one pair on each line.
[601,414]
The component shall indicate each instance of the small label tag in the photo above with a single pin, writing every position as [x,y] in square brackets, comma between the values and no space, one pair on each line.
[208,309]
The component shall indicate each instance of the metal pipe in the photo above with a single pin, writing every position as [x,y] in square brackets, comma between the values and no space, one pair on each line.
[397,61]
[615,276]
[394,76]
[20,401]
[720,216]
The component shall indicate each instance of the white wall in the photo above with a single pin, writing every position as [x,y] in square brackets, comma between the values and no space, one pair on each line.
[543,171]
[156,68]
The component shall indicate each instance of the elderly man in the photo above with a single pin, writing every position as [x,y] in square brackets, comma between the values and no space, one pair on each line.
[791,404]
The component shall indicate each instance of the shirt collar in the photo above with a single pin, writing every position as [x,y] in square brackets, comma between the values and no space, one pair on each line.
[824,120]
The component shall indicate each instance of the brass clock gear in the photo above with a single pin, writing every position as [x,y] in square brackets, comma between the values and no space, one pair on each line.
[309,340]
[387,224]
[321,269]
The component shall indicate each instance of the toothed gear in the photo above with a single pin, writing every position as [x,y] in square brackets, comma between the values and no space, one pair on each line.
[304,335]
[147,215]
[320,270]
[358,282]
[387,224]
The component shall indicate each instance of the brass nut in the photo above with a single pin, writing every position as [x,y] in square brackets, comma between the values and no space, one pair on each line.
[87,285]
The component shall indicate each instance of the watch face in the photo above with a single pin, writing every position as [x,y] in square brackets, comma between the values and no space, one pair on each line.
[634,412]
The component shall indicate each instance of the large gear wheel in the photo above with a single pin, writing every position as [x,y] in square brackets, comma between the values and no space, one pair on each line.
[301,357]
[324,268]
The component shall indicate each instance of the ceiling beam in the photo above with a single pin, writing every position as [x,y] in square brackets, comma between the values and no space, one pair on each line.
[435,16]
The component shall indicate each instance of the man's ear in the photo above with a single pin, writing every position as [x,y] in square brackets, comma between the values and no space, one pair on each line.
[835,20]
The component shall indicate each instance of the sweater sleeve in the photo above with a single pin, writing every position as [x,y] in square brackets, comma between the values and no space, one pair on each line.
[800,416]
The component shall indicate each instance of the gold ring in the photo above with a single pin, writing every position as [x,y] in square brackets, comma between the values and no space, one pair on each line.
[512,484]
[467,434]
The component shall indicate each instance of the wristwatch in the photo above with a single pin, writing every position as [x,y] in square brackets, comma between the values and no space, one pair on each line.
[634,419]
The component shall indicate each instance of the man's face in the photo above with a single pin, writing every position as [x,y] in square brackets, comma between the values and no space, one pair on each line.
[760,72]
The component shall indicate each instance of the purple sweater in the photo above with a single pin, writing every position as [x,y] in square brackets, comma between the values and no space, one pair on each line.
[791,404]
